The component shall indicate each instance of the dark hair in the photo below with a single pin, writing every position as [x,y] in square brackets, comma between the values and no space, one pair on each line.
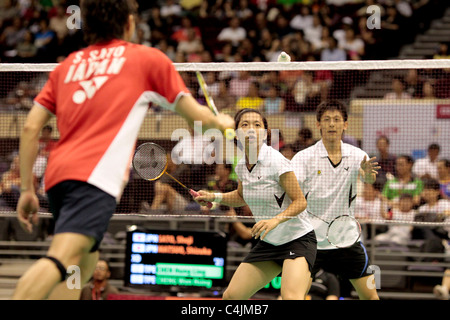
[408,158]
[434,146]
[328,105]
[237,119]
[432,184]
[383,137]
[105,20]
[305,133]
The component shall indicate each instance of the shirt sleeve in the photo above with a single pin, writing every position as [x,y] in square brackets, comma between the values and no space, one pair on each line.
[165,81]
[299,167]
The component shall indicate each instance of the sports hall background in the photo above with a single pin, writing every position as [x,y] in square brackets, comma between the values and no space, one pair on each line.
[33,31]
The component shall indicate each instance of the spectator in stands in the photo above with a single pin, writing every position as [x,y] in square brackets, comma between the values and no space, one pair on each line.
[46,142]
[252,100]
[313,34]
[171,9]
[441,290]
[26,50]
[44,41]
[352,44]
[368,207]
[426,168]
[307,92]
[398,90]
[234,33]
[443,167]
[303,20]
[403,182]
[58,23]
[190,46]
[442,52]
[332,52]
[386,159]
[223,100]
[434,210]
[273,104]
[12,35]
[428,91]
[239,86]
[390,28]
[99,288]
[10,184]
[398,234]
[304,139]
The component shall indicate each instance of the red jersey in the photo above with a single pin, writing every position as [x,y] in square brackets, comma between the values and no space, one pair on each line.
[100,96]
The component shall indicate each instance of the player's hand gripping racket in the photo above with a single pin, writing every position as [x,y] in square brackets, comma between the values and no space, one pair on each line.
[150,163]
[343,231]
[229,133]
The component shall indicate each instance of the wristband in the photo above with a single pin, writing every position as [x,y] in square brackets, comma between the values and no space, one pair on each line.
[218,197]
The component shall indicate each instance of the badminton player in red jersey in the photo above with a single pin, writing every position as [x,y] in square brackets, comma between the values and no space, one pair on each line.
[99,96]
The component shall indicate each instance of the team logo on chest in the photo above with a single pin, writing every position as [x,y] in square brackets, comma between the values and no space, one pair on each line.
[280,199]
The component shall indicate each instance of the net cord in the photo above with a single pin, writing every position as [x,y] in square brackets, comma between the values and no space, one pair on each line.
[268,66]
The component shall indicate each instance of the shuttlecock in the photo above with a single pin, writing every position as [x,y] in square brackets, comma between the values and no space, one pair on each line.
[284,57]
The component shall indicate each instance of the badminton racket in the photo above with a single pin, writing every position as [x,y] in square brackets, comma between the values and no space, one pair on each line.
[229,133]
[343,231]
[150,163]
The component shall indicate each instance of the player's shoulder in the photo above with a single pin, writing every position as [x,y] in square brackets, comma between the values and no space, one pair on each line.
[353,150]
[148,53]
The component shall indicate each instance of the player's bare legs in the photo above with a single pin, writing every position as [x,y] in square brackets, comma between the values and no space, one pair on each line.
[296,279]
[87,268]
[69,249]
[249,278]
[365,287]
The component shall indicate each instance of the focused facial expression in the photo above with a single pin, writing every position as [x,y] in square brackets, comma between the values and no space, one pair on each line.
[332,125]
[251,130]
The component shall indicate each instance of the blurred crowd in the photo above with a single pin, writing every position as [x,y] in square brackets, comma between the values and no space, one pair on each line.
[227,30]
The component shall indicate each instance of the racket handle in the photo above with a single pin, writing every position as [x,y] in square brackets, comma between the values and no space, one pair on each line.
[196,194]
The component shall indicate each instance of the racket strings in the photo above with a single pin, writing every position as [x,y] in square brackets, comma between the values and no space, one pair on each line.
[150,161]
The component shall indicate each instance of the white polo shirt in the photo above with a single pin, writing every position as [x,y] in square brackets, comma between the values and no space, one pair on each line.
[330,190]
[266,198]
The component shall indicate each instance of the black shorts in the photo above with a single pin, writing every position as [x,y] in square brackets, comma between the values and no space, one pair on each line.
[348,263]
[304,246]
[80,207]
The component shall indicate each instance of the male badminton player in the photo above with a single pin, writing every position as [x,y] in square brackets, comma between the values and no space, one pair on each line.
[100,96]
[327,173]
[269,187]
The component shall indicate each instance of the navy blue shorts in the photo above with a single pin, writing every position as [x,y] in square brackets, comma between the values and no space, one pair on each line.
[304,246]
[349,263]
[80,207]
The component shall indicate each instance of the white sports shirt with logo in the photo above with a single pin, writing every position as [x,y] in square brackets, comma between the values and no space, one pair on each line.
[330,191]
[266,198]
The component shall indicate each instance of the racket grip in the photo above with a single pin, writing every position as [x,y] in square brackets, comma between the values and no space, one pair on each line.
[196,194]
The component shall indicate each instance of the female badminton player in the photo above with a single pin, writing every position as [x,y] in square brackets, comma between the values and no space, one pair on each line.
[328,173]
[100,96]
[267,184]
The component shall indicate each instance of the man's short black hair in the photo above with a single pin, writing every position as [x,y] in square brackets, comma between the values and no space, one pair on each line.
[105,20]
[331,105]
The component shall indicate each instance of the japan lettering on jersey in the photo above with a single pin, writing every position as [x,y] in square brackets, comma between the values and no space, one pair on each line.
[100,96]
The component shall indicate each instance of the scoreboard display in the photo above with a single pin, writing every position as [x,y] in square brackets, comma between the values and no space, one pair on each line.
[171,260]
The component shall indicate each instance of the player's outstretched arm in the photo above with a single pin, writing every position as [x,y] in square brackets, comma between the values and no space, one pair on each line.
[192,111]
[28,204]
[230,199]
